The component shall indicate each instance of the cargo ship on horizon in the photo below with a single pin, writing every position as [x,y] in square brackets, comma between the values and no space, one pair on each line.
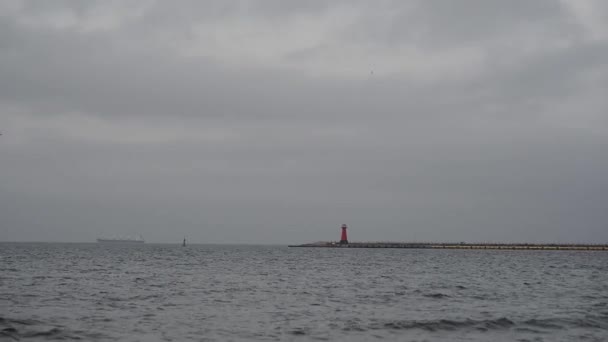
[122,241]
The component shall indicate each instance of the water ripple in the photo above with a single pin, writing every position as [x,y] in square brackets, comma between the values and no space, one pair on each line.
[240,293]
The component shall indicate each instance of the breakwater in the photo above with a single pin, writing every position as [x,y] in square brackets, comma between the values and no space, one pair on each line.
[430,245]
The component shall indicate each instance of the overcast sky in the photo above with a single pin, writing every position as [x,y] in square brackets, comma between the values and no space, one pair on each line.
[277,121]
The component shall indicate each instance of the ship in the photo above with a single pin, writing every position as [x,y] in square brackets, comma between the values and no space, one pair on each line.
[122,241]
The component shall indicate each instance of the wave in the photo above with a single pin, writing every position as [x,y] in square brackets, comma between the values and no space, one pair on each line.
[436,295]
[587,322]
[448,325]
[17,329]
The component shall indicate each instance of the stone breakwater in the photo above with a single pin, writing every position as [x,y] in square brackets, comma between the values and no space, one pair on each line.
[430,245]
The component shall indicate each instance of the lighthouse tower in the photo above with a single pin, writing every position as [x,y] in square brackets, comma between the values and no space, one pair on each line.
[343,237]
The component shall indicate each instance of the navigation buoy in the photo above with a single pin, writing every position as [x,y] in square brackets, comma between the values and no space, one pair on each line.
[344,238]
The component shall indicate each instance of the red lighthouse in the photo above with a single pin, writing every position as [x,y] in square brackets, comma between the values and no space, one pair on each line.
[343,237]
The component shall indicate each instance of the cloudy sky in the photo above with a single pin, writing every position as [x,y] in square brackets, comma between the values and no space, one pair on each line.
[277,121]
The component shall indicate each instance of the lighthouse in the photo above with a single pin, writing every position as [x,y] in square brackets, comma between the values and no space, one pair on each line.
[343,237]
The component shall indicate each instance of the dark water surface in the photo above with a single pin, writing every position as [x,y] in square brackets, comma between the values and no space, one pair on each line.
[234,293]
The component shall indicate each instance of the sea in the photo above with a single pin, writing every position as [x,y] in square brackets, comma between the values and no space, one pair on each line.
[91,292]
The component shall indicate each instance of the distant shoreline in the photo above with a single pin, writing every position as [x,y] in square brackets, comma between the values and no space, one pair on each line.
[403,245]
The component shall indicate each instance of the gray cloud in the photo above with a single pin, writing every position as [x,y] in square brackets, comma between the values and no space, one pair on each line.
[276,122]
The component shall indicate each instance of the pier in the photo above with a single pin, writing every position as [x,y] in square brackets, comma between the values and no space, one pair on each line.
[344,243]
[493,246]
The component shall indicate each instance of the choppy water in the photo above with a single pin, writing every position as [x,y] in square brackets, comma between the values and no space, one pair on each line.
[206,293]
